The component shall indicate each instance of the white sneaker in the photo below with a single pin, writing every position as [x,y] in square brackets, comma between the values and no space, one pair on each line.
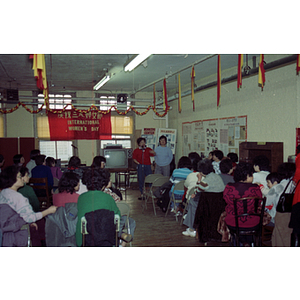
[173,210]
[179,213]
[184,216]
[190,233]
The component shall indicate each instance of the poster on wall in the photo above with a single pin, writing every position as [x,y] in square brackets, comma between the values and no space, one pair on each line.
[150,134]
[170,134]
[204,136]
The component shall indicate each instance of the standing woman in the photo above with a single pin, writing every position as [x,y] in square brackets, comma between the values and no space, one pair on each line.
[163,157]
[141,156]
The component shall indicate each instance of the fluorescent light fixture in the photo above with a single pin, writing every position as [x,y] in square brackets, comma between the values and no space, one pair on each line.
[135,62]
[101,82]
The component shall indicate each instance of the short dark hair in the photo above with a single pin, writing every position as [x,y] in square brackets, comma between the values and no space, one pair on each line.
[50,161]
[184,162]
[74,161]
[34,153]
[205,166]
[262,162]
[218,153]
[17,158]
[242,170]
[97,161]
[233,156]
[273,176]
[23,171]
[8,176]
[67,182]
[286,170]
[39,159]
[163,137]
[140,139]
[194,157]
[226,165]
[96,178]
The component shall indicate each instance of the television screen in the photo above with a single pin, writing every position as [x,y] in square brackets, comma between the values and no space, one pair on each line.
[115,158]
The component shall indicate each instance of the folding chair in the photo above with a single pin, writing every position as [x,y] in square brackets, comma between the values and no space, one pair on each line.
[147,188]
[179,186]
[248,206]
[125,211]
[41,188]
[188,197]
[84,228]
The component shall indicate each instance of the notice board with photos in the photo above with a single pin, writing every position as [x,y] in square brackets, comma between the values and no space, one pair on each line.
[204,136]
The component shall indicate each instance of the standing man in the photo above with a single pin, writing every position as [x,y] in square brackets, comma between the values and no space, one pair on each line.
[141,156]
[163,157]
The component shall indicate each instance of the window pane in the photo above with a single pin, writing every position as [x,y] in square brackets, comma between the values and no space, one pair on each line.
[64,149]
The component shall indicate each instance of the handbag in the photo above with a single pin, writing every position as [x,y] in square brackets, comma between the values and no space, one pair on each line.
[285,202]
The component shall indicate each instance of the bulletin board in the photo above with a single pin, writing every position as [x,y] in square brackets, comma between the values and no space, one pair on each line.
[204,136]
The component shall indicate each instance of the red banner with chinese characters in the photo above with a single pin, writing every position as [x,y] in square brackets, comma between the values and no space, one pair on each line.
[79,125]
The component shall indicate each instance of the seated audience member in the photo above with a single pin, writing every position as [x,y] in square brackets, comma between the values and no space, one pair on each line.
[2,161]
[31,164]
[56,172]
[234,158]
[94,199]
[27,191]
[207,181]
[195,158]
[74,166]
[242,187]
[132,223]
[68,186]
[98,162]
[184,167]
[18,160]
[10,181]
[42,171]
[210,155]
[217,156]
[261,168]
[226,168]
[281,236]
[275,190]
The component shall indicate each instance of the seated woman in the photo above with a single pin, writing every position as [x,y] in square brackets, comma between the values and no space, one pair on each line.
[242,187]
[56,171]
[10,182]
[95,180]
[208,181]
[68,185]
[74,165]
[184,167]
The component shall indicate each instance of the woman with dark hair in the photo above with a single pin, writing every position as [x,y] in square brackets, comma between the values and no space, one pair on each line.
[163,157]
[96,180]
[74,166]
[19,160]
[141,156]
[184,167]
[208,181]
[56,171]
[68,185]
[11,181]
[98,162]
[242,187]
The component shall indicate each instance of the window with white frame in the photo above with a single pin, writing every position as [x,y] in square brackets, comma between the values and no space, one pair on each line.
[105,102]
[56,101]
[58,149]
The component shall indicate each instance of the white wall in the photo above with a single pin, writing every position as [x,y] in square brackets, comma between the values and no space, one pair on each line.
[272,114]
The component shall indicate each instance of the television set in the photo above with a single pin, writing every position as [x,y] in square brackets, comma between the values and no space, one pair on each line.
[115,158]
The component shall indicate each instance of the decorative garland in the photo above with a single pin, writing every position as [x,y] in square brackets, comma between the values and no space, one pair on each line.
[93,107]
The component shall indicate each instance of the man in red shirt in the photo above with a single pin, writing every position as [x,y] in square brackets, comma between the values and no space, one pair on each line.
[141,156]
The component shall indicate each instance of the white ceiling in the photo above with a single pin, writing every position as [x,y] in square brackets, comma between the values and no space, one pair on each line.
[80,72]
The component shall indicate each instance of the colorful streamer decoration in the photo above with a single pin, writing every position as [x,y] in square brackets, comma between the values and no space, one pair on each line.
[239,72]
[165,95]
[219,81]
[298,64]
[261,72]
[192,86]
[154,95]
[179,94]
